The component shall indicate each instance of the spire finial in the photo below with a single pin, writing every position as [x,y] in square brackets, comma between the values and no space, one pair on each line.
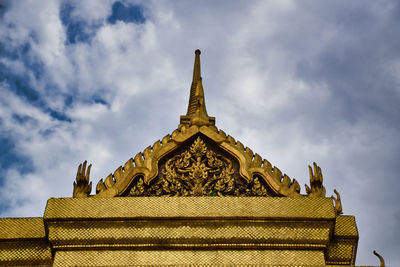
[196,68]
[197,113]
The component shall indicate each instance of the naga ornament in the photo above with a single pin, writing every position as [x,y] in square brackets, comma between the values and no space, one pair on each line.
[82,187]
[316,179]
[337,203]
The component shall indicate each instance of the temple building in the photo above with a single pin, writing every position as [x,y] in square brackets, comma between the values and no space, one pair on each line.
[197,196]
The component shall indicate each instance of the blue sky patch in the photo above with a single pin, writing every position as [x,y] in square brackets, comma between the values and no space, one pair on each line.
[2,9]
[77,29]
[18,84]
[58,115]
[100,100]
[11,158]
[21,119]
[68,100]
[13,53]
[126,13]
[76,32]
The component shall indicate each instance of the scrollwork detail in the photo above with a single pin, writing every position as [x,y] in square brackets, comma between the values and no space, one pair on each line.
[198,171]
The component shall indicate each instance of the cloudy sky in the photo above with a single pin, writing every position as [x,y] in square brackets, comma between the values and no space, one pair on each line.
[296,81]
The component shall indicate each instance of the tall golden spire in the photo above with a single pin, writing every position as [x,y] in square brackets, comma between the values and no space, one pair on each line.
[197,112]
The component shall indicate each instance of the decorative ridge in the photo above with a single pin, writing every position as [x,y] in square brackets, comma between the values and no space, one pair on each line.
[260,173]
[197,113]
[145,164]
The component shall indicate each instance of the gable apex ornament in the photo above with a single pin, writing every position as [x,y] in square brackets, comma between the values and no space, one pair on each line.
[197,113]
[221,166]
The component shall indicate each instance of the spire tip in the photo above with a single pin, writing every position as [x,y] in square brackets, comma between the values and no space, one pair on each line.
[197,113]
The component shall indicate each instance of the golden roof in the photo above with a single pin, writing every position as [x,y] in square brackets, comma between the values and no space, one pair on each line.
[263,220]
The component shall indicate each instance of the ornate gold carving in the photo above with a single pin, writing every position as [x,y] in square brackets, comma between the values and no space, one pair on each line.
[258,189]
[316,179]
[138,188]
[337,202]
[199,171]
[145,165]
[82,187]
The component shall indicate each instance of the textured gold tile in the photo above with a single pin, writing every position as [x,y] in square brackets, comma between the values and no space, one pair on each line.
[345,226]
[343,246]
[341,252]
[189,232]
[11,228]
[189,257]
[190,207]
[25,253]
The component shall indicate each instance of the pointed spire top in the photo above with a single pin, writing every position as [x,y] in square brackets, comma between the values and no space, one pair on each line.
[197,69]
[197,113]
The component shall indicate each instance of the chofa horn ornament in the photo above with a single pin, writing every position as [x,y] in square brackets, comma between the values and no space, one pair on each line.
[337,203]
[82,187]
[316,179]
[382,261]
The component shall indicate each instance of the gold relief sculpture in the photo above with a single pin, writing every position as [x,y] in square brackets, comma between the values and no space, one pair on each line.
[258,189]
[198,171]
[82,187]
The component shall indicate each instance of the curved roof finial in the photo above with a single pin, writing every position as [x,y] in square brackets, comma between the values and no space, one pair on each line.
[382,261]
[196,113]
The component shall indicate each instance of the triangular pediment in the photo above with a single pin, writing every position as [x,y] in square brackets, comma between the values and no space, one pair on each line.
[197,161]
[199,168]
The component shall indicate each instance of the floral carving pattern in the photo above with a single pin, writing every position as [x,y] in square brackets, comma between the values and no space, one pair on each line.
[198,171]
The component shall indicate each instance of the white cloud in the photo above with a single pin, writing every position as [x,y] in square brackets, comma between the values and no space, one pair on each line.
[39,24]
[91,11]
